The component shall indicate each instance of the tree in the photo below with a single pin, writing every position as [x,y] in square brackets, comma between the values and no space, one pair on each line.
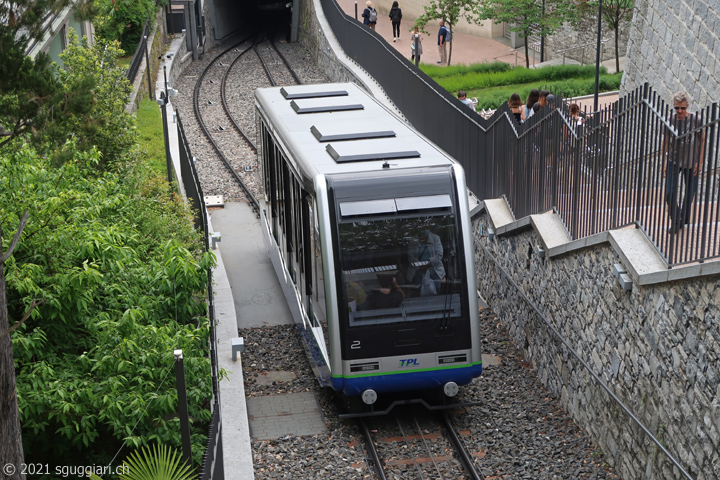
[31,97]
[11,450]
[528,17]
[616,13]
[104,124]
[449,11]
[123,20]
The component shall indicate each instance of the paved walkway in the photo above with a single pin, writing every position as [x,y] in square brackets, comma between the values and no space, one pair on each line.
[467,49]
[274,416]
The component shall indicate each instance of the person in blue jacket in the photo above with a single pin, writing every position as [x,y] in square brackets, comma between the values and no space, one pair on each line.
[369,15]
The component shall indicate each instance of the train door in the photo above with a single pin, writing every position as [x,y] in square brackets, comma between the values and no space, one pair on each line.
[317,298]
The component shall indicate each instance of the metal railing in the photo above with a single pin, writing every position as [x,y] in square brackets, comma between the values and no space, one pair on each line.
[212,467]
[605,174]
[139,54]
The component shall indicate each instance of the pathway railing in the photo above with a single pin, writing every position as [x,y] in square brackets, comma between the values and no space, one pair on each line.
[212,467]
[603,174]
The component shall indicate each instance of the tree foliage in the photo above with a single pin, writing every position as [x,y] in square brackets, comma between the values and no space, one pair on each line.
[450,11]
[527,17]
[109,267]
[616,13]
[158,463]
[119,298]
[123,21]
[31,96]
[106,126]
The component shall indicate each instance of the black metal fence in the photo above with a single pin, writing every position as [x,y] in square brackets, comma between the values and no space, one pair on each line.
[139,54]
[603,174]
[212,467]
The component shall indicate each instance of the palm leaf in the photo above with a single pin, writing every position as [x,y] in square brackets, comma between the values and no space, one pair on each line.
[158,462]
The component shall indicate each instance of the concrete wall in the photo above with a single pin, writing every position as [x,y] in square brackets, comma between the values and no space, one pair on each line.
[675,45]
[657,347]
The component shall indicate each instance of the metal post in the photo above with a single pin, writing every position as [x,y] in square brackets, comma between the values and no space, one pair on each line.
[147,67]
[417,49]
[542,37]
[193,29]
[182,406]
[295,21]
[165,76]
[709,169]
[597,57]
[168,157]
[356,11]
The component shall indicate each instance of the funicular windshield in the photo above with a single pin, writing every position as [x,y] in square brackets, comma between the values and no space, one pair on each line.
[400,268]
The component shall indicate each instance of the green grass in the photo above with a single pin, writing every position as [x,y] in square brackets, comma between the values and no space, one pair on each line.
[493,83]
[149,124]
[494,97]
[124,61]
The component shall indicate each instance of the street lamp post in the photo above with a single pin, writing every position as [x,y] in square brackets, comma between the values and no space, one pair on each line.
[542,37]
[597,57]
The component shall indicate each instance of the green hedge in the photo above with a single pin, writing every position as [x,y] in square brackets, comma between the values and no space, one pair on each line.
[511,76]
[495,97]
[442,72]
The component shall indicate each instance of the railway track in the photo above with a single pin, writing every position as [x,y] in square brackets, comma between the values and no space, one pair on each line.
[431,445]
[232,135]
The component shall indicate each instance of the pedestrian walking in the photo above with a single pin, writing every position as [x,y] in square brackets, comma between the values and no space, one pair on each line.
[442,44]
[684,153]
[369,15]
[533,97]
[395,17]
[462,96]
[516,107]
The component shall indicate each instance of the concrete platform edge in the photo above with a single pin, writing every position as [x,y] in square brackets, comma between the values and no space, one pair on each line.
[237,451]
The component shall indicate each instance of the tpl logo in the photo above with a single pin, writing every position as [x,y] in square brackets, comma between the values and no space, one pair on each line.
[410,361]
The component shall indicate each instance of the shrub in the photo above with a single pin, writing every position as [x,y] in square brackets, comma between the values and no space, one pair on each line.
[514,76]
[495,97]
[123,21]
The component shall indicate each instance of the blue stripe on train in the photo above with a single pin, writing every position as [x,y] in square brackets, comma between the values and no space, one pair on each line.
[400,382]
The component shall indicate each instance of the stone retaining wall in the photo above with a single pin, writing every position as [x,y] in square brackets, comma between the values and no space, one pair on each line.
[656,347]
[675,45]
[312,35]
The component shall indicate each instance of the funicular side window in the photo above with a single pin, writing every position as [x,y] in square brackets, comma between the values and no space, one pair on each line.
[400,267]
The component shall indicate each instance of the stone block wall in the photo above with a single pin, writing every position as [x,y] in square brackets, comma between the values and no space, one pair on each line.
[675,45]
[580,43]
[312,34]
[657,348]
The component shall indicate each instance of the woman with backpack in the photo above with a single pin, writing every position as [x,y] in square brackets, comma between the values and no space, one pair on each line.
[369,15]
[395,17]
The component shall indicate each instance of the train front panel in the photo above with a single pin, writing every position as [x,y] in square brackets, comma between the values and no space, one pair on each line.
[406,305]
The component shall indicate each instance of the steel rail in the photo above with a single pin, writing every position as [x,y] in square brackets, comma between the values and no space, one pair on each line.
[372,451]
[223,85]
[264,65]
[465,458]
[427,447]
[414,459]
[282,57]
[196,104]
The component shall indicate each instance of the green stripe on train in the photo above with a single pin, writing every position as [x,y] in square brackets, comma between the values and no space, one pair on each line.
[375,374]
